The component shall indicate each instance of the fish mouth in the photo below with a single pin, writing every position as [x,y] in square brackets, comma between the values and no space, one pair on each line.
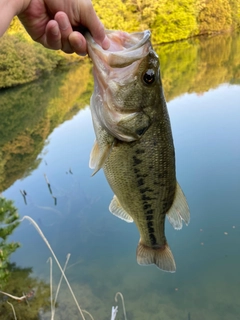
[115,71]
[125,48]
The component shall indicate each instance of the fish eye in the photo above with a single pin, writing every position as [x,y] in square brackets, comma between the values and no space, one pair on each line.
[149,76]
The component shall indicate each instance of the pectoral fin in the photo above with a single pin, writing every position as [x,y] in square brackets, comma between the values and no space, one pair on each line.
[161,257]
[179,210]
[98,157]
[133,125]
[116,209]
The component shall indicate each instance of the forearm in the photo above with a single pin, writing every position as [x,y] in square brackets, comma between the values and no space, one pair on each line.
[8,9]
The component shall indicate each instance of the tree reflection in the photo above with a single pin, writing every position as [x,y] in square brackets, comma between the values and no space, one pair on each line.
[200,64]
[20,282]
[8,223]
[30,113]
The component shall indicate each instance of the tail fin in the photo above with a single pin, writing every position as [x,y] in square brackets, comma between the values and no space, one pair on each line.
[161,257]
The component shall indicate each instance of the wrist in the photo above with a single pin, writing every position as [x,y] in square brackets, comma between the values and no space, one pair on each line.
[9,9]
[17,6]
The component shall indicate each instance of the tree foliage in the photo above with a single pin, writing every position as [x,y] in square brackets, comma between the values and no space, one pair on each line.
[170,20]
[235,12]
[8,222]
[175,22]
[215,16]
[116,15]
[22,60]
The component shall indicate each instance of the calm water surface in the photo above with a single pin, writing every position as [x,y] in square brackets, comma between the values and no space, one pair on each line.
[206,285]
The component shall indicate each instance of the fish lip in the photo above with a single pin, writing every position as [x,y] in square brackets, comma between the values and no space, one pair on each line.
[144,36]
[119,58]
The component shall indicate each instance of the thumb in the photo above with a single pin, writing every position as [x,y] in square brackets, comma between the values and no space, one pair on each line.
[96,28]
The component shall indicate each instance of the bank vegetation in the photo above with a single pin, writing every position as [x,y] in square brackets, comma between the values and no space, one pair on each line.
[22,60]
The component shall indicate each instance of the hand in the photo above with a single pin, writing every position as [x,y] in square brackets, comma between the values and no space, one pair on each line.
[51,23]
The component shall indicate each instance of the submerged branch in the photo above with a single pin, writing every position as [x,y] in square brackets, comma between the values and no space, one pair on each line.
[14,297]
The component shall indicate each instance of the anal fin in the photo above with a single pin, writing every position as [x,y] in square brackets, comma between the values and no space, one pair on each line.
[162,257]
[179,210]
[116,209]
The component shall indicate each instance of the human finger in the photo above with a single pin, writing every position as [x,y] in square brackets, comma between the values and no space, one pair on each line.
[53,35]
[90,20]
[65,29]
[78,43]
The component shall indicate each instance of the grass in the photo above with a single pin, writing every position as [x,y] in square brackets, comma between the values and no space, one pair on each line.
[63,276]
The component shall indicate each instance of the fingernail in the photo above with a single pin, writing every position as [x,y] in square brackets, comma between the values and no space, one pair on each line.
[63,23]
[106,43]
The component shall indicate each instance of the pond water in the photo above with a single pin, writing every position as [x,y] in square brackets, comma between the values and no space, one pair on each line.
[49,141]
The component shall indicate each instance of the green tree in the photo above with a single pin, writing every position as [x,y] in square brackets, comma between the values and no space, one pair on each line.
[170,20]
[22,62]
[116,15]
[214,16]
[17,28]
[174,21]
[144,11]
[235,12]
[8,223]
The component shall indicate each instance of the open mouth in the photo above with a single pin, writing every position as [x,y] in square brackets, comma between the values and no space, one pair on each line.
[124,49]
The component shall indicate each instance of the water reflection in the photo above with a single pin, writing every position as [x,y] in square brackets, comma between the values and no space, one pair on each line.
[30,113]
[8,223]
[205,122]
[22,284]
[199,65]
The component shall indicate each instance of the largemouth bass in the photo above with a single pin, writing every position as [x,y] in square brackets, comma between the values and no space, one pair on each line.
[134,143]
